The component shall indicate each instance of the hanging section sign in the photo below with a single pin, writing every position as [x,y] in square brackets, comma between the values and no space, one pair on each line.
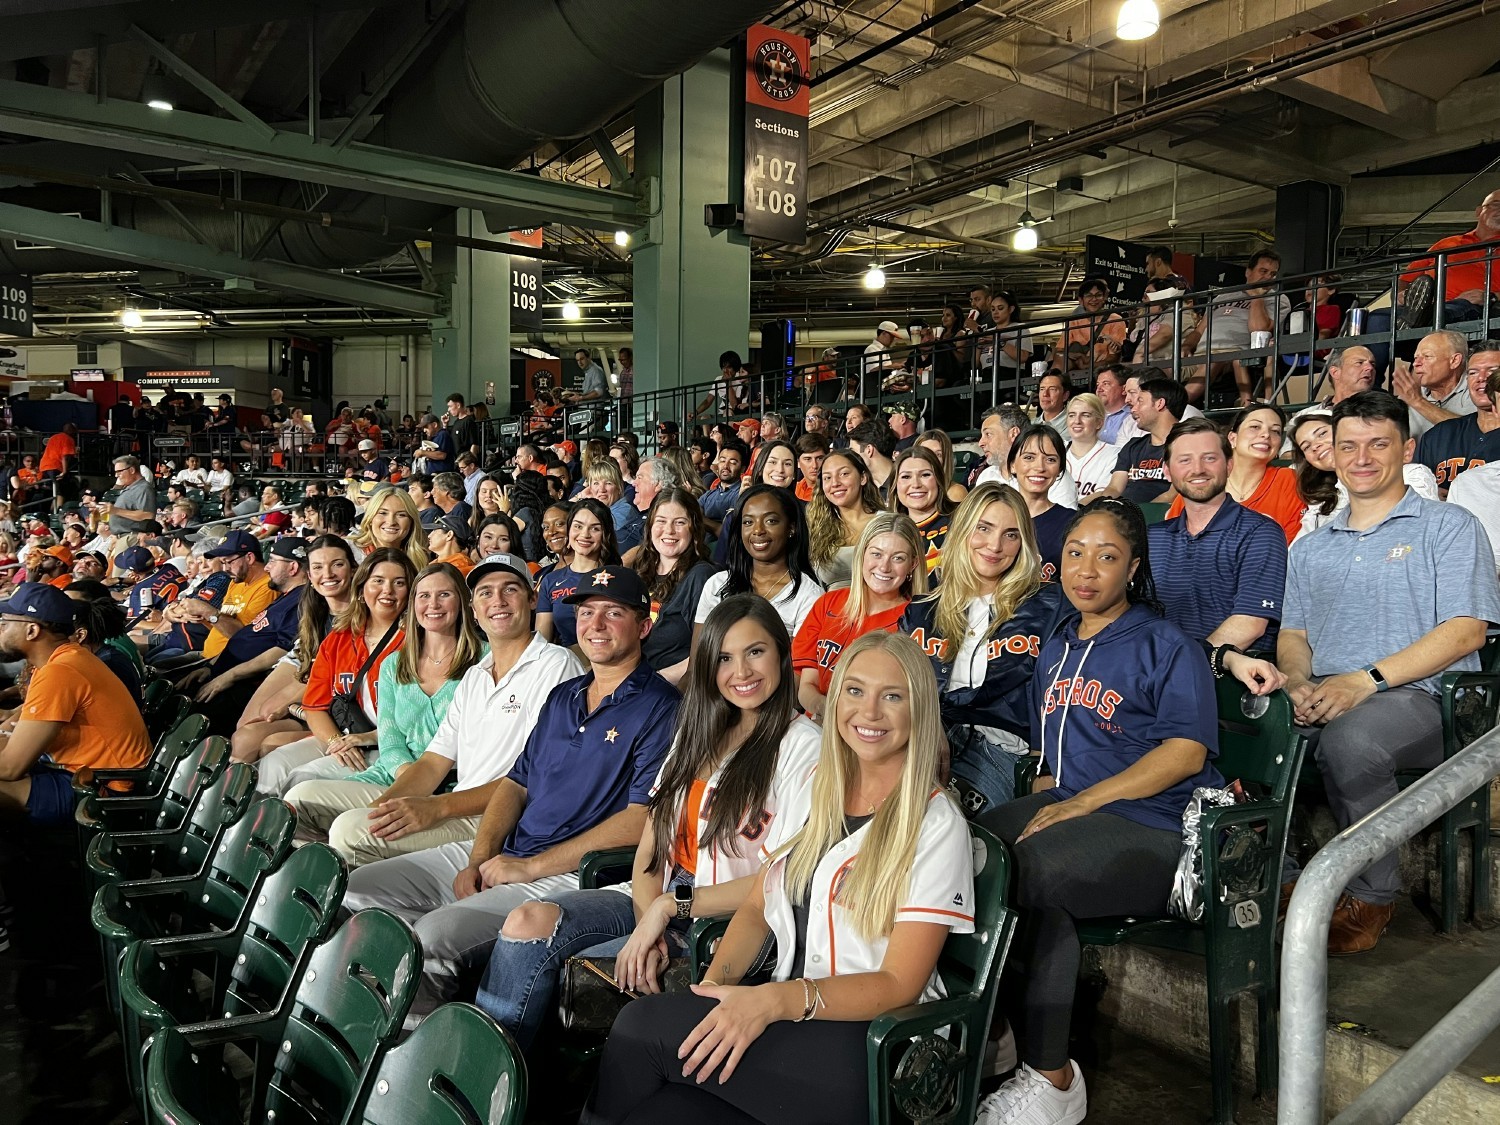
[778,66]
[15,305]
[526,282]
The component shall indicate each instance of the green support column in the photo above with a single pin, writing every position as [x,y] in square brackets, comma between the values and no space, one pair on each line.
[692,284]
[471,343]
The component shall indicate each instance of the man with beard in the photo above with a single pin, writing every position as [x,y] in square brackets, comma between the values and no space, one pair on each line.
[253,648]
[1244,552]
[89,566]
[76,712]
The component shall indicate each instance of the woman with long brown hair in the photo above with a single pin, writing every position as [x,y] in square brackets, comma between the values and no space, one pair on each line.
[740,756]
[440,643]
[837,514]
[674,566]
[371,624]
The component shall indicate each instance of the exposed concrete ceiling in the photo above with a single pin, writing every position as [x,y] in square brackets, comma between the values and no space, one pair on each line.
[947,136]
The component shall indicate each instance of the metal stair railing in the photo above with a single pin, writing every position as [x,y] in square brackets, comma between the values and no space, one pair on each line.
[1304,957]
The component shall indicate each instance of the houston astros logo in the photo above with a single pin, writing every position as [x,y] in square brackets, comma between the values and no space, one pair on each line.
[777,70]
[602,578]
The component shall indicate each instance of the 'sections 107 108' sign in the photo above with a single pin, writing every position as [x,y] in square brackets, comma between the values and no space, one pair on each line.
[777,69]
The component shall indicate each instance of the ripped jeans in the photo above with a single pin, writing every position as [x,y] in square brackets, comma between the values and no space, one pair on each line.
[520,984]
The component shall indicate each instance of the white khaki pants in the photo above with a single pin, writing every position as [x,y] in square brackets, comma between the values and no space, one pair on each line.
[456,934]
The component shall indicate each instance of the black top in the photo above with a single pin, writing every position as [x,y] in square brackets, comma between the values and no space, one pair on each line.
[671,635]
[800,908]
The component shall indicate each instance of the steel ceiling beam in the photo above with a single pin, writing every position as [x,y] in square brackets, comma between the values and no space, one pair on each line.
[86,237]
[203,85]
[59,115]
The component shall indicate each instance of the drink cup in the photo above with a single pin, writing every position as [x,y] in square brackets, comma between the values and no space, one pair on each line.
[1260,339]
[1038,368]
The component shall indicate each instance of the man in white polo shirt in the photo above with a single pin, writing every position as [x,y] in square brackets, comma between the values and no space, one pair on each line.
[483,733]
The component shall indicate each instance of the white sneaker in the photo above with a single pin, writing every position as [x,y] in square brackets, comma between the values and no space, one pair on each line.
[1029,1099]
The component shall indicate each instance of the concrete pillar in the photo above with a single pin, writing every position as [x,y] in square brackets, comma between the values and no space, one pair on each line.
[691,283]
[471,343]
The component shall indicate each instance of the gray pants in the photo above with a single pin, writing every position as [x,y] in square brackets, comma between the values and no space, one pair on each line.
[457,934]
[1359,755]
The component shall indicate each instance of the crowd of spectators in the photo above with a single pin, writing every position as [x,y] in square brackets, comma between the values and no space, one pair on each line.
[788,666]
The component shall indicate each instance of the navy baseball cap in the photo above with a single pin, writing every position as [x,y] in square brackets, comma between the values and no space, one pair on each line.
[236,543]
[138,559]
[37,601]
[457,526]
[500,561]
[617,583]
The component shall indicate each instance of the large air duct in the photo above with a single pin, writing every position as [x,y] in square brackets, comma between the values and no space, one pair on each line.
[510,75]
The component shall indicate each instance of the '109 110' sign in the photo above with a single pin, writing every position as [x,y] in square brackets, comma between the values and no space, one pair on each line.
[777,66]
[15,306]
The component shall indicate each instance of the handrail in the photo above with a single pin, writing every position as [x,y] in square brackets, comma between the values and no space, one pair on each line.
[1304,958]
[788,387]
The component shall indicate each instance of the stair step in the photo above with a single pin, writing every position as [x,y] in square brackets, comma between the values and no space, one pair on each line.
[1379,1004]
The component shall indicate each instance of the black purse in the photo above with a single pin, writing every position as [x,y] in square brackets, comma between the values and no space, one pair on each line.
[344,708]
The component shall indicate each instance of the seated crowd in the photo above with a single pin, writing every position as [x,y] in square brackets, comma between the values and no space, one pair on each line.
[788,671]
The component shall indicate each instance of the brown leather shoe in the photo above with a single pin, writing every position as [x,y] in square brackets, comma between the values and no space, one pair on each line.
[1286,900]
[1357,925]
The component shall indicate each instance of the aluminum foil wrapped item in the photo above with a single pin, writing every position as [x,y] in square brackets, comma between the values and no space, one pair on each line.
[1187,885]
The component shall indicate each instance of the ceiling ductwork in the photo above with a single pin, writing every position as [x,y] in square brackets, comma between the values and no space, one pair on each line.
[507,78]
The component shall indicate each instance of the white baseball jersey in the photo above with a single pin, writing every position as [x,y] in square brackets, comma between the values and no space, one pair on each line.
[785,800]
[939,889]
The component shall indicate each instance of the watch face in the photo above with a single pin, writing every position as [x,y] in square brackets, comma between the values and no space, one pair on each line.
[683,893]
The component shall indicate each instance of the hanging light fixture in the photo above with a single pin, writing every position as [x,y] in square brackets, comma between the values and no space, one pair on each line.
[874,277]
[571,311]
[1138,19]
[1025,238]
[622,238]
[131,318]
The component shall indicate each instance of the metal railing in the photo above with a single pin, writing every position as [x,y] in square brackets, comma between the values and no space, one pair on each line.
[1273,367]
[1304,958]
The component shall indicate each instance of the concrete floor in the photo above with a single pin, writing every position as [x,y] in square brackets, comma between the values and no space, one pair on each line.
[1139,1083]
[1398,990]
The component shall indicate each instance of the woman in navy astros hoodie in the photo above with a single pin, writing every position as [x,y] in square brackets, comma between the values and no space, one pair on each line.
[1123,712]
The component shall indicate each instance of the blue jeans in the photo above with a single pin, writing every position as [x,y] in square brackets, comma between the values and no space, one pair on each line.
[520,984]
[983,770]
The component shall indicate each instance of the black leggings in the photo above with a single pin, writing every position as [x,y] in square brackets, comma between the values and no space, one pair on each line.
[794,1074]
[1095,866]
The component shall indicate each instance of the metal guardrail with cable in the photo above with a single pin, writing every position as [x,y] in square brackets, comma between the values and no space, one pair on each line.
[1284,357]
[1304,956]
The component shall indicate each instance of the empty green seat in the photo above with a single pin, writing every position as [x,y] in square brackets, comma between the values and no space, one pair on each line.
[248,969]
[459,1068]
[313,1055]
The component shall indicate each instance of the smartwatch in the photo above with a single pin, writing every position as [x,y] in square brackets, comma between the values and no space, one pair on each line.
[1380,681]
[682,894]
[213,618]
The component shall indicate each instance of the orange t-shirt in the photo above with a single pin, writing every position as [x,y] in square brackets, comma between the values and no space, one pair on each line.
[804,490]
[102,726]
[1276,497]
[58,446]
[461,562]
[1465,271]
[685,844]
[825,634]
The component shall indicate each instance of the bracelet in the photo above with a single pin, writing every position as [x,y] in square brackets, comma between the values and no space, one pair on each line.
[809,1005]
[1216,660]
[818,996]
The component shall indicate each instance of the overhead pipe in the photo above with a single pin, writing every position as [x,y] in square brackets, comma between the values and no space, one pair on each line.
[502,80]
[1304,60]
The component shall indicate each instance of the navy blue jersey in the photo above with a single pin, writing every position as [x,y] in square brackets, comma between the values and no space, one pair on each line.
[1100,705]
[1050,526]
[1455,446]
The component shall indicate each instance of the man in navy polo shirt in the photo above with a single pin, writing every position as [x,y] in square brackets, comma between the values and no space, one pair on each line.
[581,784]
[254,650]
[1220,568]
[1394,591]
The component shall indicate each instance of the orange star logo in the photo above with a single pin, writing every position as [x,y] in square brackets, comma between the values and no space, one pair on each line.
[611,734]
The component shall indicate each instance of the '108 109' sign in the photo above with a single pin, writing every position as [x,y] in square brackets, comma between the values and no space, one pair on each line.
[15,306]
[777,66]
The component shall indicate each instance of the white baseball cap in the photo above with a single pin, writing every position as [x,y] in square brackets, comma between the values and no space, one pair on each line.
[892,327]
[365,445]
